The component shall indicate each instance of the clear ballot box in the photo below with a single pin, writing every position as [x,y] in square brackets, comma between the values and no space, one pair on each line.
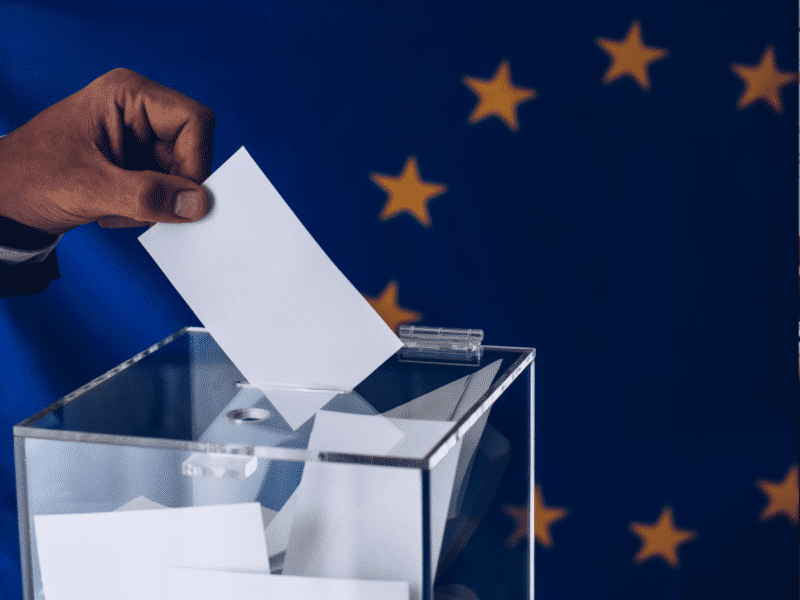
[173,477]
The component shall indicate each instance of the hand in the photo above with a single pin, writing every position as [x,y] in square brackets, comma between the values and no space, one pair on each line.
[124,151]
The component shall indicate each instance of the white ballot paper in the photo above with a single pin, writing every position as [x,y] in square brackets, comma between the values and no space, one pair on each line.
[126,555]
[353,434]
[356,521]
[268,515]
[279,526]
[418,439]
[268,294]
[332,432]
[195,584]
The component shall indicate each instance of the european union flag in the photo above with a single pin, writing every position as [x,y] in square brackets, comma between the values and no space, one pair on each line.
[612,184]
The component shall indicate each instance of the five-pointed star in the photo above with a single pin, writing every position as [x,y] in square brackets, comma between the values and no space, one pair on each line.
[630,56]
[763,82]
[498,96]
[390,311]
[544,516]
[408,193]
[782,495]
[661,539]
[521,516]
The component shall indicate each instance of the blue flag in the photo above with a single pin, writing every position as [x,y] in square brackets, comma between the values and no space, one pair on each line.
[613,185]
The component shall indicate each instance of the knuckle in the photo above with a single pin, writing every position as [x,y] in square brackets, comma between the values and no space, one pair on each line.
[206,116]
[120,74]
[116,79]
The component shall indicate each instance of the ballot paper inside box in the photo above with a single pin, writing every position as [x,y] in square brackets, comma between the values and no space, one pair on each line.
[172,468]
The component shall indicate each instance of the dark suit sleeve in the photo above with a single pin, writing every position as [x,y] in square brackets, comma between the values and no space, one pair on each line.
[27,278]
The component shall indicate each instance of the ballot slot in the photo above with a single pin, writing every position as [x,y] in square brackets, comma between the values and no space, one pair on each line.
[287,388]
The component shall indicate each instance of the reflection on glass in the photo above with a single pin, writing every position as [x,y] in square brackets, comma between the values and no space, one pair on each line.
[387,483]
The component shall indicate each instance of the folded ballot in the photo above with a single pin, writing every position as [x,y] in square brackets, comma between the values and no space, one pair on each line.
[269,295]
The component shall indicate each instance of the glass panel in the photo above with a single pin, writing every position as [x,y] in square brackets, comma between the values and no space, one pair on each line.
[390,482]
[188,390]
[326,520]
[489,512]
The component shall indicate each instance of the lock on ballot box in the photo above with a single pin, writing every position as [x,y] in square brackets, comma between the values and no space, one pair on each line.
[172,477]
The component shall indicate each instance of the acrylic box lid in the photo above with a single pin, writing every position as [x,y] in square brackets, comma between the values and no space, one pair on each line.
[184,393]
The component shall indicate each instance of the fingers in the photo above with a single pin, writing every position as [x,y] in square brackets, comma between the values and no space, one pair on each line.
[186,124]
[194,147]
[150,197]
[184,128]
[183,123]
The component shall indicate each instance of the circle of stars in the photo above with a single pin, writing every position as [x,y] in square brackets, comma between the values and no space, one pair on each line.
[500,97]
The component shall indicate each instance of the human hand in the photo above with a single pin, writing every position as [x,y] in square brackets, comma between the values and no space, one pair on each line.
[124,151]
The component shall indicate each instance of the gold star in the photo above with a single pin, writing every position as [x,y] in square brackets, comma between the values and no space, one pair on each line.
[763,82]
[521,516]
[408,193]
[498,96]
[661,539]
[390,311]
[543,516]
[630,56]
[783,497]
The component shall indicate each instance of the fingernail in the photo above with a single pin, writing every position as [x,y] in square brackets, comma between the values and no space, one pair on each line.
[188,204]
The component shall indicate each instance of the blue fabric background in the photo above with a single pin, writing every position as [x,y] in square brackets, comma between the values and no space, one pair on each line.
[643,242]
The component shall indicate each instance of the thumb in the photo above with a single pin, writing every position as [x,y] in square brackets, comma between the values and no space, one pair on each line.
[161,198]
